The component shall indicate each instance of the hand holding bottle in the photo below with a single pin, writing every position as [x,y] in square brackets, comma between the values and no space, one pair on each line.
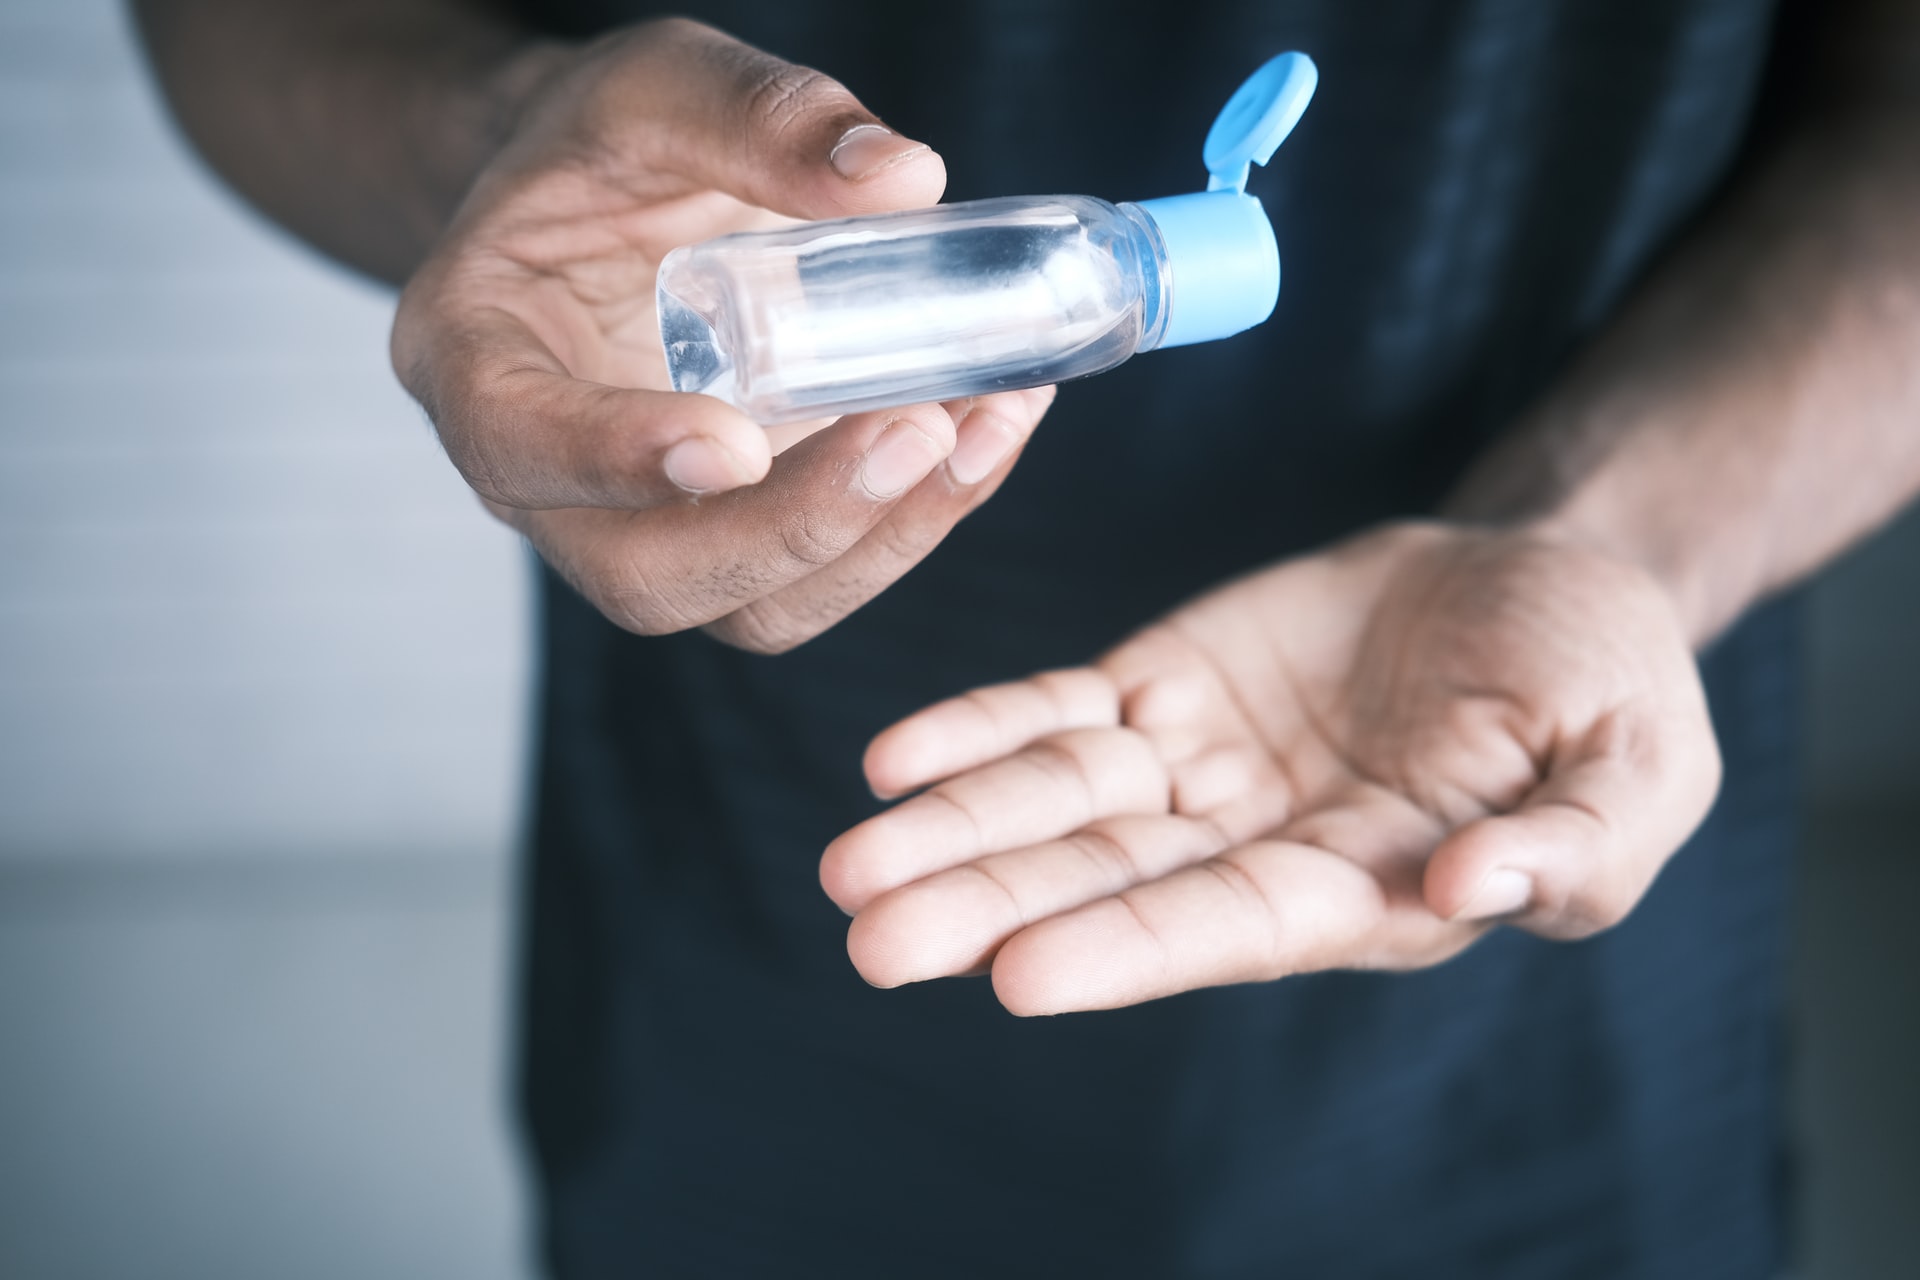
[530,337]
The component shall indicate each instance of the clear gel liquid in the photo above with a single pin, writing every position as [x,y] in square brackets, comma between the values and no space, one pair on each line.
[932,304]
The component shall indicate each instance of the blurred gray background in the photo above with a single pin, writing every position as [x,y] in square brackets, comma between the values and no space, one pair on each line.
[263,703]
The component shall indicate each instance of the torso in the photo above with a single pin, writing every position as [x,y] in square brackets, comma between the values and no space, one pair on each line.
[712,1089]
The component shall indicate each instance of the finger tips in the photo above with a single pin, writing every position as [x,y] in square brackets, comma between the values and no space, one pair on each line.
[1557,869]
[990,433]
[984,440]
[917,933]
[909,446]
[702,465]
[1024,408]
[1035,401]
[1099,956]
[649,450]
[1582,850]
[848,867]
[895,848]
[1071,963]
[675,425]
[1460,865]
[538,439]
[846,164]
[880,954]
[985,724]
[875,169]
[934,744]
[902,757]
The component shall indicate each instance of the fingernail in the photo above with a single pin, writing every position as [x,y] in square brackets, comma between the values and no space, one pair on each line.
[702,466]
[985,441]
[866,149]
[1502,893]
[902,456]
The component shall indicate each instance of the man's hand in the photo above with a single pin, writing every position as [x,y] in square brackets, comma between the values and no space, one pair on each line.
[530,337]
[1360,759]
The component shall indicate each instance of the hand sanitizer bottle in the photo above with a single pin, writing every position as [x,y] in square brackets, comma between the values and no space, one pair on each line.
[836,317]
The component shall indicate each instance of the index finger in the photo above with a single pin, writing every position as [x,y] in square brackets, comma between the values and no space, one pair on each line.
[1041,793]
[985,724]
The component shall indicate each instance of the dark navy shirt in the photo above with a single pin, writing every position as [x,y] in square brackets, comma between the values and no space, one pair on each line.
[712,1090]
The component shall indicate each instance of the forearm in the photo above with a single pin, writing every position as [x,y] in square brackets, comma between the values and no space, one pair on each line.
[1756,407]
[356,124]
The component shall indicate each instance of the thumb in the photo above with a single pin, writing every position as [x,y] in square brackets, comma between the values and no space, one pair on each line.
[1584,846]
[775,134]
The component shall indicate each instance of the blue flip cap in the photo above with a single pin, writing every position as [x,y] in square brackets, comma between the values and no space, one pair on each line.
[1222,257]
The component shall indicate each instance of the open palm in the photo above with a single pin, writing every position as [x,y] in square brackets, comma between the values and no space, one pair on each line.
[1357,759]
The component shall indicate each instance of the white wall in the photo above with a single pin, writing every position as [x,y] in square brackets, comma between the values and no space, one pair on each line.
[245,606]
[263,670]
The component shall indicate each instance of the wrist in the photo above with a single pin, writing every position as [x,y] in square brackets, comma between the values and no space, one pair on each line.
[1557,479]
[510,85]
[467,115]
[1704,604]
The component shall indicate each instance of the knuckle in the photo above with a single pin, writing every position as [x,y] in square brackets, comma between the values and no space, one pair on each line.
[1401,955]
[473,420]
[633,604]
[1286,935]
[1583,912]
[1133,765]
[759,629]
[1709,770]
[1111,769]
[1074,693]
[1134,748]
[1060,758]
[406,345]
[487,479]
[1106,853]
[1006,895]
[626,459]
[674,30]
[903,542]
[478,464]
[780,96]
[1580,920]
[986,704]
[812,538]
[1242,885]
[634,611]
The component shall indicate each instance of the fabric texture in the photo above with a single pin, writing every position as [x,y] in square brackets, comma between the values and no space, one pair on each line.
[712,1090]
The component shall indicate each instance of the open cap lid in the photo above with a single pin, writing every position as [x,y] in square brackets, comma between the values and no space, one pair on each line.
[1222,258]
[1258,118]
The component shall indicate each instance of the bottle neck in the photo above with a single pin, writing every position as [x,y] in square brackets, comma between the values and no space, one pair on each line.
[1221,271]
[1156,280]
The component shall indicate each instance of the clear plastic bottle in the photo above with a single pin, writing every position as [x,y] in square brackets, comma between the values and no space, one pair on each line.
[991,295]
[932,304]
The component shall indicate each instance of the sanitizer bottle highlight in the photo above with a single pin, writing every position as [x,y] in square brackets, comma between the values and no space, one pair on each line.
[836,317]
